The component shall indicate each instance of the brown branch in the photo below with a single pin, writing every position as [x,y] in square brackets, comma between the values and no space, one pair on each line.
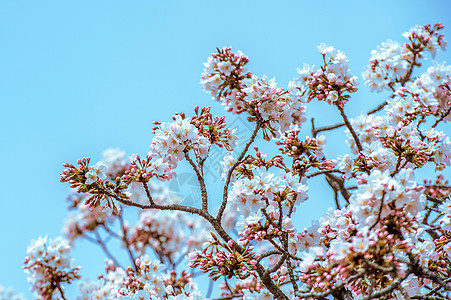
[434,199]
[327,128]
[229,174]
[216,223]
[276,266]
[342,294]
[333,289]
[432,291]
[337,183]
[291,276]
[61,291]
[229,297]
[386,290]
[442,117]
[409,72]
[428,297]
[380,211]
[126,243]
[349,126]
[98,241]
[315,131]
[200,179]
[324,172]
[379,107]
[376,109]
[268,253]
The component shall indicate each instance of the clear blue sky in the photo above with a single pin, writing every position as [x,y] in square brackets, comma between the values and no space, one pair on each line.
[77,77]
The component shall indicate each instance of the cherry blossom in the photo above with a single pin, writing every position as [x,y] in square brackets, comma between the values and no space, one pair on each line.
[387,236]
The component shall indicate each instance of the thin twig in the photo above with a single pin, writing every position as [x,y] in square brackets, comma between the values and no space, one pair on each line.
[323,172]
[229,174]
[349,126]
[200,179]
[126,243]
[98,241]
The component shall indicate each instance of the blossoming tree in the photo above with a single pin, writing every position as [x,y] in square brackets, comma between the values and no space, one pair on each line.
[390,240]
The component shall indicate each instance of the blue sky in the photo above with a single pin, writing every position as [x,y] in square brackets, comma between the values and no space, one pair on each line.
[83,76]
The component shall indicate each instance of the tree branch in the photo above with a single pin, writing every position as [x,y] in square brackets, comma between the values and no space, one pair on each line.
[229,174]
[201,181]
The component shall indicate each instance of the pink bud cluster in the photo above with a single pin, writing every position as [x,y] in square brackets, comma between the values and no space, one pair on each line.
[76,176]
[374,233]
[443,249]
[100,190]
[143,169]
[214,128]
[259,161]
[280,275]
[332,79]
[178,285]
[425,37]
[293,147]
[252,227]
[371,254]
[225,259]
[224,76]
[305,154]
[406,144]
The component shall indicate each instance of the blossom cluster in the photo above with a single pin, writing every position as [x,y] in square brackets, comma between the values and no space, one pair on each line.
[372,235]
[266,190]
[148,281]
[48,266]
[330,81]
[390,239]
[162,231]
[396,139]
[226,79]
[436,80]
[249,287]
[277,108]
[392,62]
[393,141]
[387,65]
[92,180]
[172,141]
